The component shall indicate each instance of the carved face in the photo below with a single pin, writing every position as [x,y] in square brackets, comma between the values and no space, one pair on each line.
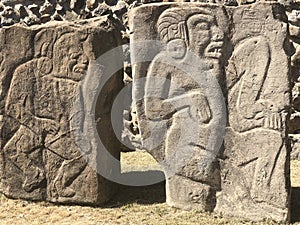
[205,37]
[70,59]
[78,61]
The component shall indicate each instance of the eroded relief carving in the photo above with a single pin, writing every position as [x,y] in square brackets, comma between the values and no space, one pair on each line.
[177,97]
[25,147]
[41,146]
[73,61]
[258,97]
[248,175]
[40,99]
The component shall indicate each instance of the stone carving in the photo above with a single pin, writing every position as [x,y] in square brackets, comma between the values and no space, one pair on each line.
[30,13]
[41,159]
[257,103]
[184,102]
[248,175]
[39,12]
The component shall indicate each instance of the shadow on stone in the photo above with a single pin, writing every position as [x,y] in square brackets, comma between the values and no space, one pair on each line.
[150,194]
[295,205]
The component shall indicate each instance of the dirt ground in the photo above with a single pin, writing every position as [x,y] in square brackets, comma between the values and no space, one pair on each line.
[132,205]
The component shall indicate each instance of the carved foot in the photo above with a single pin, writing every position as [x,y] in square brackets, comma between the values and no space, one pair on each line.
[61,190]
[33,180]
[66,192]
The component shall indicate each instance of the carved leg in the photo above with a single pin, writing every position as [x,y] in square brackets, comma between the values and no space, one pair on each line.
[34,177]
[193,175]
[264,169]
[69,170]
[19,149]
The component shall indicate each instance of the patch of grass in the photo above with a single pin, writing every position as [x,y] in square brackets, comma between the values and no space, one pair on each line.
[138,161]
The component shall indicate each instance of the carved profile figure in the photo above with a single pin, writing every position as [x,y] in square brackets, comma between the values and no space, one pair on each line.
[69,64]
[255,116]
[40,99]
[175,96]
[25,147]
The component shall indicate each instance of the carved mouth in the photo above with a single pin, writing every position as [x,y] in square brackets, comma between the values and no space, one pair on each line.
[79,68]
[214,50]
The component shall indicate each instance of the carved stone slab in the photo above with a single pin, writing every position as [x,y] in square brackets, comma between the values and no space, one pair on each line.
[41,68]
[212,101]
[256,156]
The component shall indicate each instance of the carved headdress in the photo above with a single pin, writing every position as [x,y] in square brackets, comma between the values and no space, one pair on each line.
[43,43]
[172,22]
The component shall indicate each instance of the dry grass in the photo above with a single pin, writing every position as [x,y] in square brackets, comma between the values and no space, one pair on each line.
[133,205]
[21,212]
[138,161]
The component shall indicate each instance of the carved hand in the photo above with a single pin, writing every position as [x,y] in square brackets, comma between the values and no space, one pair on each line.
[200,107]
[50,126]
[270,115]
[273,120]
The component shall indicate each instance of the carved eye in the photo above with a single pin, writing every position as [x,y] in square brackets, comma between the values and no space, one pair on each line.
[203,26]
[74,55]
[177,48]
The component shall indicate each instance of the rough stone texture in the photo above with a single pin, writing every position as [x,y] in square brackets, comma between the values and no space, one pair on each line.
[294,122]
[42,11]
[256,148]
[295,144]
[181,116]
[41,68]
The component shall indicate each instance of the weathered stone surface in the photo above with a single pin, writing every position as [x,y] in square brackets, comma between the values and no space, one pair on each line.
[181,110]
[41,71]
[33,12]
[295,144]
[256,148]
[294,122]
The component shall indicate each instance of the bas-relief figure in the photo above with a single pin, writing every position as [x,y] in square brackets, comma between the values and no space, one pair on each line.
[43,158]
[248,176]
[248,171]
[183,102]
[258,99]
[40,99]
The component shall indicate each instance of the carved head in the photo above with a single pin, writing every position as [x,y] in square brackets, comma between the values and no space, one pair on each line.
[43,43]
[197,29]
[70,60]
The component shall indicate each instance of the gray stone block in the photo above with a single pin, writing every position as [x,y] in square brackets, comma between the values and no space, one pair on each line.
[42,70]
[212,92]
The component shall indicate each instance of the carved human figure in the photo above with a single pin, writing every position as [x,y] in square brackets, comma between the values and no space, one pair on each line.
[40,99]
[25,147]
[173,93]
[70,62]
[255,117]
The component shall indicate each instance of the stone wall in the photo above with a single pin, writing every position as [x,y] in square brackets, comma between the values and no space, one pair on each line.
[294,122]
[42,11]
